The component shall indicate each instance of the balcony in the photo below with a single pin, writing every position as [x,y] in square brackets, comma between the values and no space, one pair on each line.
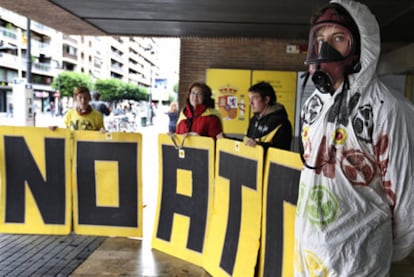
[42,68]
[70,39]
[39,47]
[9,60]
[117,68]
[72,57]
[42,29]
[117,56]
[8,34]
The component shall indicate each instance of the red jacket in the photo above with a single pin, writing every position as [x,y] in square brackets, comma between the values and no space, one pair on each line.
[204,121]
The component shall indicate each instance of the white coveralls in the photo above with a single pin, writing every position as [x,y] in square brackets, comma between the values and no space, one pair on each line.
[355,211]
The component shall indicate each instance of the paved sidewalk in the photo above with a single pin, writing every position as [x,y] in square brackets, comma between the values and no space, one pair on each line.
[41,255]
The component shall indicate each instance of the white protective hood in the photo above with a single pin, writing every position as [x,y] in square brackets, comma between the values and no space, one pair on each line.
[370,41]
[368,189]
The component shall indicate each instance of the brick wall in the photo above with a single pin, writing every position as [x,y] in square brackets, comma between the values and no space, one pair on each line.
[199,54]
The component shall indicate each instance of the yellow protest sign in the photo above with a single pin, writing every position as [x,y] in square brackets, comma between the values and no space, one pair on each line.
[280,193]
[185,195]
[35,181]
[233,238]
[107,189]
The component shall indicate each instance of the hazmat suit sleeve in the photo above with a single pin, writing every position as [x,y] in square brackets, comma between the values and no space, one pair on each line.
[395,152]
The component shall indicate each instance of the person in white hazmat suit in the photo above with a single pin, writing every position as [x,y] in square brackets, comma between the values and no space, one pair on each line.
[355,210]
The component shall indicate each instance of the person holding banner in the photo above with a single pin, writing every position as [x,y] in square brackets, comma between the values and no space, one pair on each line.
[199,115]
[270,126]
[83,117]
[355,207]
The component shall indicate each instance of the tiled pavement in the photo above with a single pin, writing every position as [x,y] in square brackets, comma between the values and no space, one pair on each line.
[41,255]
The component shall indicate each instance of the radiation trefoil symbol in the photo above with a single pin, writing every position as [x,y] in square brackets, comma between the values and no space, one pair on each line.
[307,261]
[314,265]
[322,206]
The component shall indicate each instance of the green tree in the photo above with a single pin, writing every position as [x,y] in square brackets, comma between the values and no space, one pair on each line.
[114,90]
[109,89]
[133,92]
[175,87]
[66,82]
[173,96]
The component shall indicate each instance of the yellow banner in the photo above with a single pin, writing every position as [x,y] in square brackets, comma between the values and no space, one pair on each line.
[214,209]
[233,239]
[280,193]
[185,195]
[35,181]
[107,184]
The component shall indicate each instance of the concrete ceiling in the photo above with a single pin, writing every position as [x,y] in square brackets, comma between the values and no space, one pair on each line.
[284,19]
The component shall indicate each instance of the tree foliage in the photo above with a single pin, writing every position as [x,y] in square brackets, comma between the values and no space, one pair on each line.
[175,88]
[115,90]
[66,82]
[111,90]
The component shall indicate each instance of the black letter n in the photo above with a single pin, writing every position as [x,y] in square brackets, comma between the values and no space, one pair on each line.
[21,168]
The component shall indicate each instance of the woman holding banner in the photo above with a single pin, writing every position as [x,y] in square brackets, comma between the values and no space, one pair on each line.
[199,115]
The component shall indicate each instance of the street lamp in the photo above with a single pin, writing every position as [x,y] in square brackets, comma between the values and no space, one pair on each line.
[29,52]
[23,91]
[58,69]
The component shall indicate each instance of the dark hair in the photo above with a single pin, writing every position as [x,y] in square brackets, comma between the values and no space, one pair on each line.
[96,95]
[264,89]
[207,94]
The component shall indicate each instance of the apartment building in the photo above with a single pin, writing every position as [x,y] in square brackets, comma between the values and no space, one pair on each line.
[130,59]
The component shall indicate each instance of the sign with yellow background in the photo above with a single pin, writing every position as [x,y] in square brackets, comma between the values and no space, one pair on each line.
[185,196]
[284,83]
[230,88]
[230,91]
[42,169]
[280,193]
[107,184]
[233,239]
[216,207]
[34,182]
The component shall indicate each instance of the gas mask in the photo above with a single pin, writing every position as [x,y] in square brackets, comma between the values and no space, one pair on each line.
[333,51]
[333,54]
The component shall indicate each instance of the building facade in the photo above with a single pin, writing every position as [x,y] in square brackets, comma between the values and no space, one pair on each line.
[130,59]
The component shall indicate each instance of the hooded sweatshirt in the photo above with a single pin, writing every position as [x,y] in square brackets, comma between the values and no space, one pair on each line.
[355,211]
[272,129]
